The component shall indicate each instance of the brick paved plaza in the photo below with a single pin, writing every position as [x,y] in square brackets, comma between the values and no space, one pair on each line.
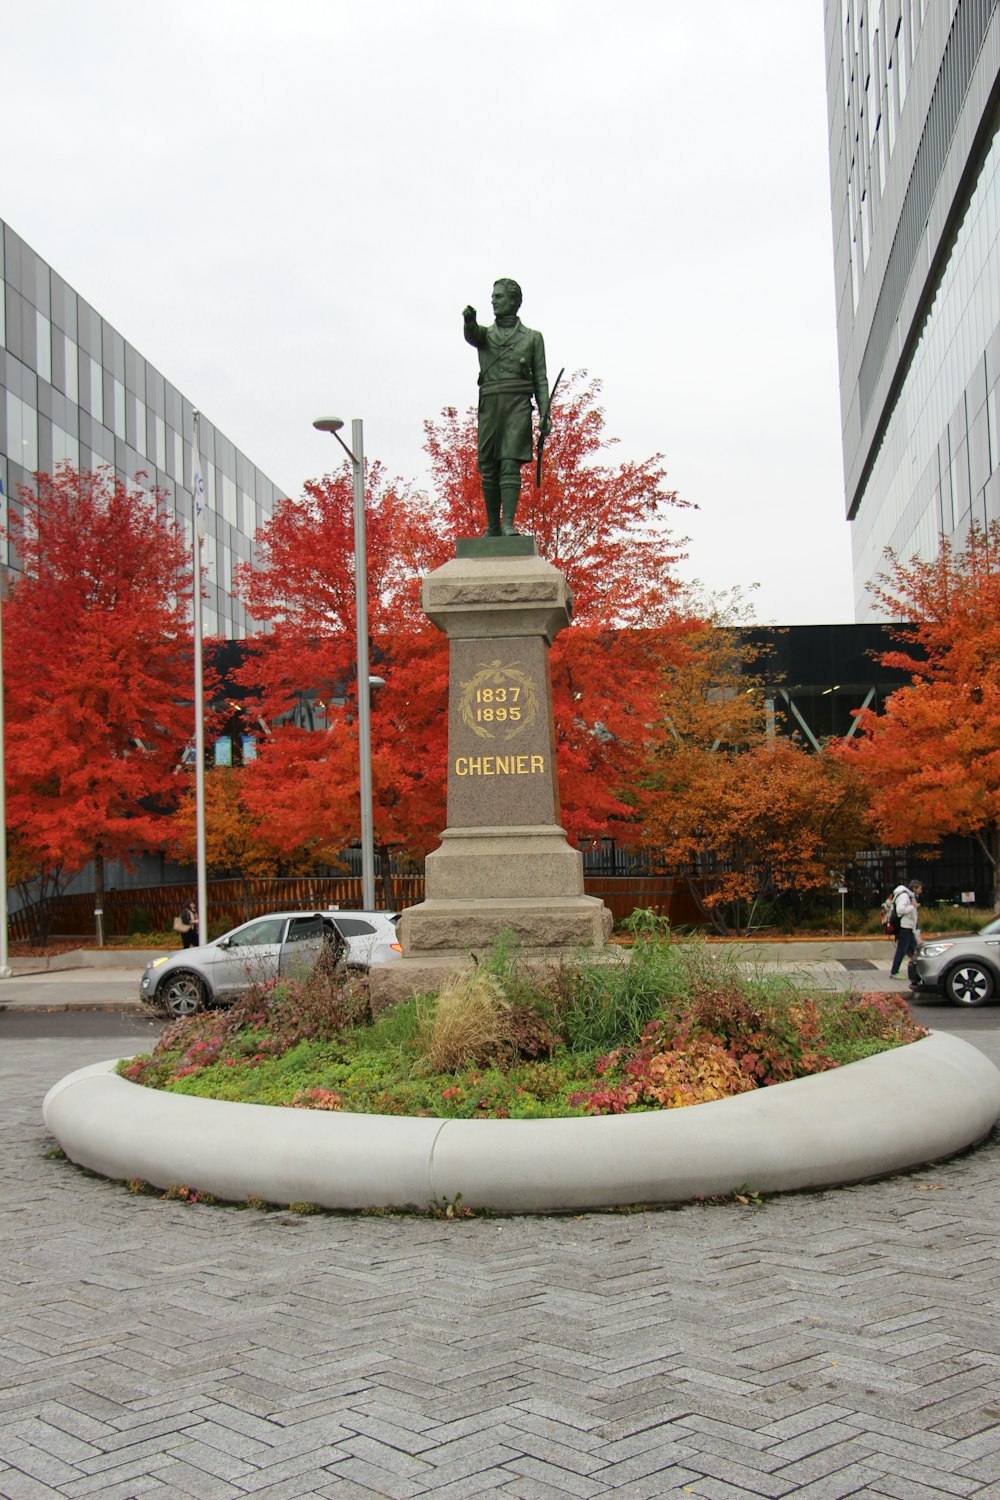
[837,1344]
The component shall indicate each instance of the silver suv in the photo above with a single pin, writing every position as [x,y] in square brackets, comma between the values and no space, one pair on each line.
[280,943]
[965,966]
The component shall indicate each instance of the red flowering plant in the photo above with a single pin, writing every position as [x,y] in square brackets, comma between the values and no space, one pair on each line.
[266,1022]
[656,1077]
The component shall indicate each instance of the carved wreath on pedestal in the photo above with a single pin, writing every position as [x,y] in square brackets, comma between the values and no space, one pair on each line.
[499,701]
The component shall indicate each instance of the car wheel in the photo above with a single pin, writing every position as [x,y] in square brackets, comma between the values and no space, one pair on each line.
[969,984]
[182,994]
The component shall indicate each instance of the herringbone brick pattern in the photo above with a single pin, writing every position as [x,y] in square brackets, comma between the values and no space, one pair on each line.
[830,1345]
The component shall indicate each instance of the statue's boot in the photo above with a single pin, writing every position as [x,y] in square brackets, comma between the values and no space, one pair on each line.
[491,500]
[509,495]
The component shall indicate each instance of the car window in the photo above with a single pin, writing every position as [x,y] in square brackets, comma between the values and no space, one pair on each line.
[256,934]
[301,928]
[354,926]
[992,929]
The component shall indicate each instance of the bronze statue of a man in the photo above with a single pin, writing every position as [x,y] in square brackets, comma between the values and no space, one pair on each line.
[511,371]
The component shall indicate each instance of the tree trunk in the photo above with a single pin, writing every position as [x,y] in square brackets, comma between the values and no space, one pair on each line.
[31,905]
[712,914]
[99,896]
[388,886]
[989,838]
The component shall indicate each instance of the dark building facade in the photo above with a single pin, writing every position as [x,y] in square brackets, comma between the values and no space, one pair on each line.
[72,388]
[913,93]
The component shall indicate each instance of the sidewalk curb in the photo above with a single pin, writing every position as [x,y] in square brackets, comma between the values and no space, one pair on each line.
[94,1007]
[88,958]
[889,1113]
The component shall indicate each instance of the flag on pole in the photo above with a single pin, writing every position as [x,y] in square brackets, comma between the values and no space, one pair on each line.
[198,491]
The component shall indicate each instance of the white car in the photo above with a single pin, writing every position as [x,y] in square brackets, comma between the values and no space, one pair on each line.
[370,936]
[279,943]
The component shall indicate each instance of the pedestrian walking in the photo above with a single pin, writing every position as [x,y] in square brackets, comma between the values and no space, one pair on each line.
[187,925]
[906,909]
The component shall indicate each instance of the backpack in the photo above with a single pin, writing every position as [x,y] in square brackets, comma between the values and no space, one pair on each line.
[889,917]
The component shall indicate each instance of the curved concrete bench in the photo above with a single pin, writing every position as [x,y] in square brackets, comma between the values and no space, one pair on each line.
[917,1104]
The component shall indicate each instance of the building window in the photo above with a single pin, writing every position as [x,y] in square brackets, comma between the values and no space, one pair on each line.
[229,500]
[70,356]
[96,391]
[43,347]
[948,517]
[65,448]
[118,391]
[22,432]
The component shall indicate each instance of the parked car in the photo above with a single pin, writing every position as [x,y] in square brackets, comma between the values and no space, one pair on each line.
[371,936]
[265,948]
[963,966]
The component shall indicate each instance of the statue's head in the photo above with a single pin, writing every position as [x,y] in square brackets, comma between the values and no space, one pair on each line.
[510,293]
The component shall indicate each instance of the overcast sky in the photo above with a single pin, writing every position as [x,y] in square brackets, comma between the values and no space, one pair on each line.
[285,206]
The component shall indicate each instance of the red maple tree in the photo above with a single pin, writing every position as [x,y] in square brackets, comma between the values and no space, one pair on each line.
[605,525]
[932,758]
[97,654]
[302,674]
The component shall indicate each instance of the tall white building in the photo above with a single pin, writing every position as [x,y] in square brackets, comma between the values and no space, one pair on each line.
[913,92]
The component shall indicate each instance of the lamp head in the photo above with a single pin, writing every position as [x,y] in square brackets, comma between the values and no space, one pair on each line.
[328,424]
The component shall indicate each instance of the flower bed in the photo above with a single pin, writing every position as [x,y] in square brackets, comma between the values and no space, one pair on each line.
[673,1026]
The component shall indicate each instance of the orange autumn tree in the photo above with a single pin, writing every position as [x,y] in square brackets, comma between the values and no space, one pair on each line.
[931,760]
[98,707]
[746,815]
[237,842]
[603,524]
[303,788]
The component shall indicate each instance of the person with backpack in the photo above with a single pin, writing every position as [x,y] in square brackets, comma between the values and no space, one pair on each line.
[903,919]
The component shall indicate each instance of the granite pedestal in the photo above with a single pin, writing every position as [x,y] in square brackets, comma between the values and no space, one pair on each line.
[504,863]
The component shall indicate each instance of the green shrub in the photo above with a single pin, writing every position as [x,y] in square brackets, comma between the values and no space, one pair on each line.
[605,1003]
[150,939]
[947,918]
[858,1025]
[139,920]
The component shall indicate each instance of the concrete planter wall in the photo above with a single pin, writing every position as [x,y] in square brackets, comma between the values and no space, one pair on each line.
[904,1108]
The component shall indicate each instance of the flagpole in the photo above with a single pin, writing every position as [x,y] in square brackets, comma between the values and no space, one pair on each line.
[197,536]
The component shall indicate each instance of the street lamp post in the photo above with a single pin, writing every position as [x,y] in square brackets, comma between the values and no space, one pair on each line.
[356,453]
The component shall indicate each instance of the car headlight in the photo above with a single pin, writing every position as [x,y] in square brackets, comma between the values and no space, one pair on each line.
[154,963]
[931,950]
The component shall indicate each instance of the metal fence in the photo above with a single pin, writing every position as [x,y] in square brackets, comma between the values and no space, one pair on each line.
[234,901]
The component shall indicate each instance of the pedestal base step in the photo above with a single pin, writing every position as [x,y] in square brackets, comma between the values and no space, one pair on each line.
[533,922]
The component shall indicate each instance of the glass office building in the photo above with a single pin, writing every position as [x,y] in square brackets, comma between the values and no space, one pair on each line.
[73,388]
[913,92]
